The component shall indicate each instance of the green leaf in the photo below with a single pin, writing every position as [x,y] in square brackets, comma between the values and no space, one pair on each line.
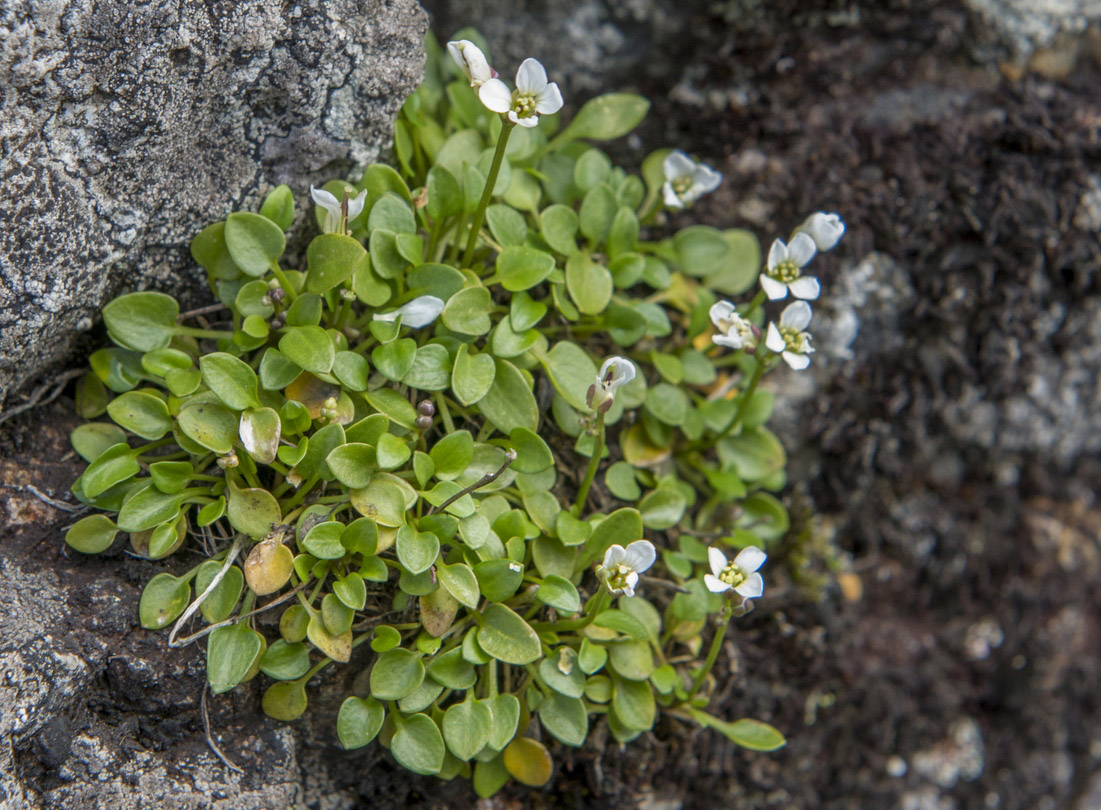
[467,312]
[396,673]
[667,403]
[279,206]
[506,720]
[391,213]
[395,360]
[230,653]
[208,248]
[163,599]
[589,284]
[592,657]
[559,228]
[306,310]
[417,551]
[94,534]
[276,371]
[142,414]
[532,453]
[606,117]
[323,541]
[560,672]
[231,379]
[622,622]
[507,637]
[392,452]
[285,701]
[337,647]
[308,347]
[332,259]
[336,616]
[142,321]
[452,670]
[352,370]
[418,745]
[146,507]
[260,431]
[560,594]
[632,660]
[431,369]
[472,376]
[623,235]
[382,500]
[460,582]
[220,602]
[662,508]
[699,249]
[445,195]
[748,733]
[633,703]
[571,371]
[621,482]
[394,405]
[114,465]
[520,268]
[598,208]
[755,454]
[285,662]
[452,454]
[253,241]
[738,270]
[359,721]
[507,225]
[592,167]
[622,527]
[467,727]
[510,403]
[92,439]
[209,424]
[565,718]
[253,511]
[499,579]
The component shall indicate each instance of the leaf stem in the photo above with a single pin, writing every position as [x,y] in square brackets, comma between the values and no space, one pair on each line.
[284,282]
[491,181]
[713,653]
[590,474]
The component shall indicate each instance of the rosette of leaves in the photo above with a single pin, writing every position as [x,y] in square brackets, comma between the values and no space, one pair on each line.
[410,489]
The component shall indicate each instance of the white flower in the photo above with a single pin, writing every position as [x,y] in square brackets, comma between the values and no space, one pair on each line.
[621,566]
[415,314]
[333,213]
[825,229]
[739,576]
[784,272]
[533,95]
[614,372]
[686,180]
[471,61]
[735,332]
[789,339]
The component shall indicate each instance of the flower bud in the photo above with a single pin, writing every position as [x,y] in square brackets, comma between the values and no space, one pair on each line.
[277,294]
[426,408]
[423,422]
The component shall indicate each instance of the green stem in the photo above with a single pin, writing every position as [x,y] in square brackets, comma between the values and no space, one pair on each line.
[213,334]
[491,181]
[284,282]
[594,462]
[713,653]
[758,299]
[747,395]
[595,607]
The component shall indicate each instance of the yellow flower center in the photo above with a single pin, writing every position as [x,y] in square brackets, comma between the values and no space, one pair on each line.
[786,271]
[732,575]
[617,577]
[682,185]
[793,339]
[523,104]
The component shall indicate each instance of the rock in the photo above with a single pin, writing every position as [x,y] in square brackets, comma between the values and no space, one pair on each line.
[1043,32]
[128,127]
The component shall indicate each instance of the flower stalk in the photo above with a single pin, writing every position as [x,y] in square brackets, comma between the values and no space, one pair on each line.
[491,181]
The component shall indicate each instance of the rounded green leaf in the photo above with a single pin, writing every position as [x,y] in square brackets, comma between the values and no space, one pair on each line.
[395,359]
[253,511]
[253,241]
[353,464]
[467,312]
[521,268]
[142,414]
[499,579]
[359,721]
[532,453]
[510,403]
[452,454]
[472,376]
[396,673]
[221,601]
[260,432]
[417,551]
[466,727]
[231,379]
[605,117]
[748,733]
[92,534]
[163,599]
[91,439]
[323,540]
[662,508]
[560,594]
[332,258]
[418,745]
[392,452]
[589,284]
[146,507]
[209,424]
[565,718]
[571,371]
[382,500]
[633,703]
[230,653]
[208,248]
[142,321]
[507,637]
[285,701]
[352,370]
[460,581]
[351,591]
[114,465]
[308,347]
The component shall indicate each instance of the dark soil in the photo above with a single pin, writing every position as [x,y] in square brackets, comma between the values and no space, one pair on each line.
[972,653]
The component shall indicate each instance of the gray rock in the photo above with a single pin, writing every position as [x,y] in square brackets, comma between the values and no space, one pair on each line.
[1022,27]
[127,127]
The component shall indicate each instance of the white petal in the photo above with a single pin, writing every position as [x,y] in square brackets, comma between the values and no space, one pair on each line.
[825,229]
[630,583]
[550,100]
[707,179]
[802,249]
[670,197]
[775,290]
[677,165]
[388,317]
[796,361]
[796,315]
[750,558]
[527,123]
[496,96]
[640,555]
[325,199]
[716,559]
[730,341]
[614,372]
[777,253]
[531,77]
[421,311]
[614,555]
[753,587]
[774,340]
[455,50]
[714,584]
[355,205]
[719,312]
[805,287]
